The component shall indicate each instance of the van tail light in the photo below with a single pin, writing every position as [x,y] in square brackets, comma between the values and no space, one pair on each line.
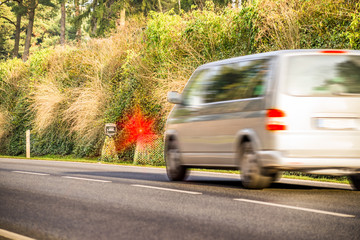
[333,51]
[275,120]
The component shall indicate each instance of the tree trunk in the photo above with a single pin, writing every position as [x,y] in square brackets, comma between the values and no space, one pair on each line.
[17,36]
[94,19]
[19,15]
[62,23]
[78,25]
[29,30]
[94,26]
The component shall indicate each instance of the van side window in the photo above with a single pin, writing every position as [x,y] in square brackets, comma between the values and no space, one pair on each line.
[237,80]
[194,91]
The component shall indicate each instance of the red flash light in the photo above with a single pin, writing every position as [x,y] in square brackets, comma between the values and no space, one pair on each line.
[136,128]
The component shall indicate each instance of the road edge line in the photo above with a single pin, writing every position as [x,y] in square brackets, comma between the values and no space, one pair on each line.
[166,189]
[295,208]
[32,173]
[14,236]
[87,179]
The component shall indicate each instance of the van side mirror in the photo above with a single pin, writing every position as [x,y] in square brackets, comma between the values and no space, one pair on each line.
[174,97]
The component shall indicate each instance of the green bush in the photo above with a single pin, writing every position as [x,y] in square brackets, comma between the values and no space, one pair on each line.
[14,105]
[56,140]
[15,144]
[354,30]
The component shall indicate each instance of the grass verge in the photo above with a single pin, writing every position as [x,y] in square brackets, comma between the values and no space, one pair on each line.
[291,175]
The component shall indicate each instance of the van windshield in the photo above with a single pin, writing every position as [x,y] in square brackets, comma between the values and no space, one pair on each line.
[320,75]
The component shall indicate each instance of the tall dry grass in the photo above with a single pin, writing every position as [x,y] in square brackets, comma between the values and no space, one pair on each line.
[278,25]
[4,122]
[14,73]
[79,82]
[47,103]
[292,24]
[85,113]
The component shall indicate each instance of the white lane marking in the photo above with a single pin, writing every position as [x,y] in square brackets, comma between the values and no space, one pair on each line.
[296,208]
[166,189]
[32,173]
[15,236]
[87,179]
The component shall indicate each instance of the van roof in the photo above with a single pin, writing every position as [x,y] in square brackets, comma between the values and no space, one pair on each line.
[272,54]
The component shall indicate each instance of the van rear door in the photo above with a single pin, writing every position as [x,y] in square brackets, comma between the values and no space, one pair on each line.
[319,94]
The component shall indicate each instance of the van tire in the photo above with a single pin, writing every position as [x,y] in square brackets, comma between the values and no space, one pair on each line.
[355,181]
[251,175]
[175,171]
[276,176]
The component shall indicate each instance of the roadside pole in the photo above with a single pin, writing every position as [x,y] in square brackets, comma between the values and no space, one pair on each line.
[27,143]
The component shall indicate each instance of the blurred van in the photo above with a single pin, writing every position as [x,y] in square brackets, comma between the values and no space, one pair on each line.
[292,110]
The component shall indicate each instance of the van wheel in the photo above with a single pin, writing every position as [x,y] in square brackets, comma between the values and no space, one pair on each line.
[175,171]
[355,181]
[251,176]
[276,176]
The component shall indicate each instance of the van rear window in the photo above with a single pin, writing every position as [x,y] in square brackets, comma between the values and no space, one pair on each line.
[324,75]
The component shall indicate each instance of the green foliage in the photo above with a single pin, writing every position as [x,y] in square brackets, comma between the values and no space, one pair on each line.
[6,29]
[39,63]
[150,154]
[324,24]
[340,179]
[45,31]
[122,101]
[88,149]
[20,122]
[78,67]
[354,31]
[223,34]
[127,155]
[46,27]
[106,15]
[163,32]
[55,140]
[124,86]
[13,106]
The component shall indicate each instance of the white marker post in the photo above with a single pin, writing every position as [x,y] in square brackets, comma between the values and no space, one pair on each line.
[27,143]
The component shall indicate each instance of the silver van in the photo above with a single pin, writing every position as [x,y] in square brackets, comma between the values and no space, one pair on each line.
[292,110]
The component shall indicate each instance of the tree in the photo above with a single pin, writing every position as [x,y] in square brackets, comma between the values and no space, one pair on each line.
[62,23]
[6,26]
[93,21]
[78,22]
[18,10]
[31,13]
[31,5]
[102,15]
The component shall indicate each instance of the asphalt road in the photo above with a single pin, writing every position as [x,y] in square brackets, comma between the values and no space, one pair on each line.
[64,200]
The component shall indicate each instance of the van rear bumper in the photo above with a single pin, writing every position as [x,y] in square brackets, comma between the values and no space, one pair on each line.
[329,166]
